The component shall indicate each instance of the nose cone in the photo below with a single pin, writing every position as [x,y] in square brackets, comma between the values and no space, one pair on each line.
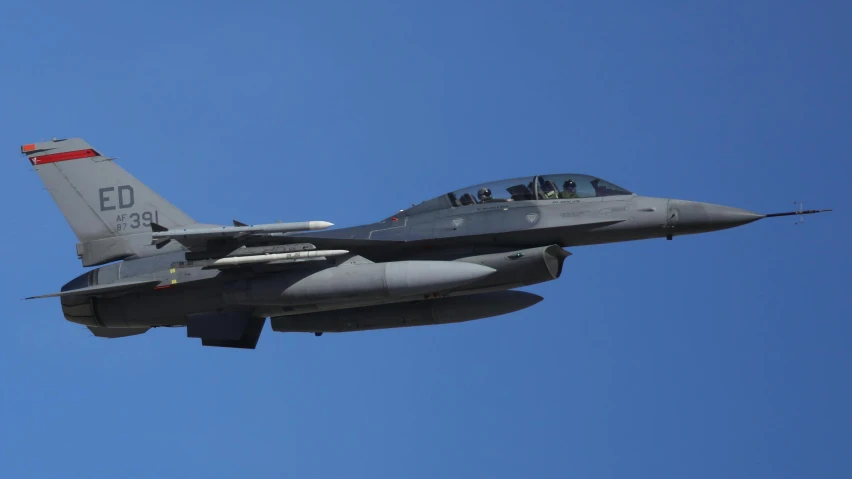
[686,217]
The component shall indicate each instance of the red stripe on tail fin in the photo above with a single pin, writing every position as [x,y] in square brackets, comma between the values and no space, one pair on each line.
[69,155]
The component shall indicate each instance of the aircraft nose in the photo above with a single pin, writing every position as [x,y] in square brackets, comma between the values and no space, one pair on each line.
[687,217]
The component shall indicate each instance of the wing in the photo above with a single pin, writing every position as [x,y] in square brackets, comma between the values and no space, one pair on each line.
[387,250]
[221,241]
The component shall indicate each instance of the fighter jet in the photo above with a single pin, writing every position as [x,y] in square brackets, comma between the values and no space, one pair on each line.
[457,257]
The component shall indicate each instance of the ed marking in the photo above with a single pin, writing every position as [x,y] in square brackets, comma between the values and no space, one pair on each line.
[125,197]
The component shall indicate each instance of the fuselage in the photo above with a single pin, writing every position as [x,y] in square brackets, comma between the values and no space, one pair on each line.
[520,241]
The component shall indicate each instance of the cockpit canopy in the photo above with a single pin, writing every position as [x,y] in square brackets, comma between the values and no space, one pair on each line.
[545,187]
[542,187]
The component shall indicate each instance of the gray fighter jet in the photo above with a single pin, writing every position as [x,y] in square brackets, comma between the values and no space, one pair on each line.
[456,257]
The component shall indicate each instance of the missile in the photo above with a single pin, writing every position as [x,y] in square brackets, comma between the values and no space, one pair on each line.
[160,235]
[192,256]
[434,311]
[269,258]
[161,232]
[397,279]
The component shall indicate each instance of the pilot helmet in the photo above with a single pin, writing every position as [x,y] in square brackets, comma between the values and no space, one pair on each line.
[484,193]
[570,184]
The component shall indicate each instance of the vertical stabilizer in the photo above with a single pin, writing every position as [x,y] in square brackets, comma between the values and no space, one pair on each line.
[105,205]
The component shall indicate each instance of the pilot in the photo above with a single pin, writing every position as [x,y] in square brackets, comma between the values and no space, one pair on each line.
[599,189]
[547,190]
[484,195]
[569,189]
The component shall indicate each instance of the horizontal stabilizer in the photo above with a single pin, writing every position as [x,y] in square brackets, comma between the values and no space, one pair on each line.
[113,333]
[102,289]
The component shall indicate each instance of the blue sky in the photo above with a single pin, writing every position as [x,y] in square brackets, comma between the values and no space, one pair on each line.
[724,355]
